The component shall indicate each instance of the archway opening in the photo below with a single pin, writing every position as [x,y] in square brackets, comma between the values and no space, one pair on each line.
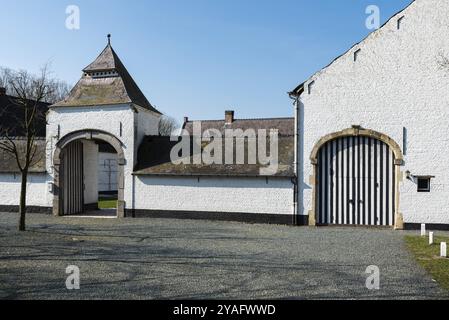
[89,179]
[107,177]
[89,175]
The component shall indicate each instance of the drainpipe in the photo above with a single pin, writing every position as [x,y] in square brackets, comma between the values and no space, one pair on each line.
[295,180]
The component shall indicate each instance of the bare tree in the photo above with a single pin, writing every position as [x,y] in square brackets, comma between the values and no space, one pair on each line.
[19,138]
[167,125]
[59,89]
[5,76]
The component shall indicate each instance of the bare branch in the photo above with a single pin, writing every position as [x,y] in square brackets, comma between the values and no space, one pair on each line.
[54,90]
[22,119]
[167,125]
[10,146]
[25,114]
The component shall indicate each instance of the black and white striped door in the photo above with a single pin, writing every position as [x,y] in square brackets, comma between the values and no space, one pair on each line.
[356,182]
[73,179]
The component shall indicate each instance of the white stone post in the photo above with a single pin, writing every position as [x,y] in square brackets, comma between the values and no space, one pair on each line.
[443,253]
[430,238]
[423,230]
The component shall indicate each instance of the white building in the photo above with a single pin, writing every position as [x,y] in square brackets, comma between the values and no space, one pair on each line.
[107,108]
[388,98]
[366,146]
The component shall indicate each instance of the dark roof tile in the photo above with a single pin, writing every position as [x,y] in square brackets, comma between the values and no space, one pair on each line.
[154,159]
[11,113]
[286,126]
[116,86]
[8,163]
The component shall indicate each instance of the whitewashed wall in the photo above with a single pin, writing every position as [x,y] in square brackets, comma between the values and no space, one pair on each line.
[37,192]
[90,165]
[107,172]
[105,118]
[396,82]
[210,194]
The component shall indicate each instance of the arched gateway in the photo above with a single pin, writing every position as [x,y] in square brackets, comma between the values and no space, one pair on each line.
[356,179]
[105,112]
[69,176]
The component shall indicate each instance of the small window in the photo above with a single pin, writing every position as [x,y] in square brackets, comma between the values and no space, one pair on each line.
[424,184]
[400,22]
[356,54]
[310,86]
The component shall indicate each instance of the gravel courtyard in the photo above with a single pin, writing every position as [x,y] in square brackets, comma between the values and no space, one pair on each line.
[186,259]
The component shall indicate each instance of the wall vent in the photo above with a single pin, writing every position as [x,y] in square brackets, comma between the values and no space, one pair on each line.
[400,22]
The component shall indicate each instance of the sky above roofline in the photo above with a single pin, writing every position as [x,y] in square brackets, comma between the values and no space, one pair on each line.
[193,58]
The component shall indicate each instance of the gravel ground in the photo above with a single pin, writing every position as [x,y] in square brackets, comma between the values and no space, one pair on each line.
[186,259]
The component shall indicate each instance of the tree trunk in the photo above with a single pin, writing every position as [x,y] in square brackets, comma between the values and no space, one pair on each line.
[23,196]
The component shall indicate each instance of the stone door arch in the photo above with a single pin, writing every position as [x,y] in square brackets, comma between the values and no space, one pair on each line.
[88,135]
[355,131]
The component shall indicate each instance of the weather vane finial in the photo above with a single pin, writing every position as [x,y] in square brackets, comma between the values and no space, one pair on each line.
[109,38]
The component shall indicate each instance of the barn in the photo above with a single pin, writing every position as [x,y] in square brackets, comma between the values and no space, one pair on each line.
[365,146]
[374,127]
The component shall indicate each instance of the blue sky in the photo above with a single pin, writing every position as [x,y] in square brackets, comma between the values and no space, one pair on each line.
[193,58]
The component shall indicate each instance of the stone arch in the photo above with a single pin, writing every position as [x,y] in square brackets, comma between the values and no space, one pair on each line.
[356,131]
[89,135]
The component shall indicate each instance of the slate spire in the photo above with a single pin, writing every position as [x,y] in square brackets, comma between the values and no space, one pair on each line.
[106,82]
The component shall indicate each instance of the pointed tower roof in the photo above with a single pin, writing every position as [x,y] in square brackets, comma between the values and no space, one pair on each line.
[106,61]
[104,82]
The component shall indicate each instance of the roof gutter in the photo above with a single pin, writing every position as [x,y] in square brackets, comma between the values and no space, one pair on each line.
[296,93]
[230,175]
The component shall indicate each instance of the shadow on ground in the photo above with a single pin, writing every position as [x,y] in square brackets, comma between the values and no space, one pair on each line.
[177,259]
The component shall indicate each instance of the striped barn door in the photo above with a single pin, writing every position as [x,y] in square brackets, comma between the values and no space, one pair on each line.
[356,182]
[73,179]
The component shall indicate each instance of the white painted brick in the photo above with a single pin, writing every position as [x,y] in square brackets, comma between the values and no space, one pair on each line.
[37,193]
[105,118]
[395,83]
[242,195]
[107,172]
[90,154]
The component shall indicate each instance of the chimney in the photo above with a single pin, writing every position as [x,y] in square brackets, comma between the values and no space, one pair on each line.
[229,117]
[2,91]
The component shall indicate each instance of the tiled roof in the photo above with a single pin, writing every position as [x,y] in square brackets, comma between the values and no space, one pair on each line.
[106,81]
[11,113]
[154,159]
[8,162]
[286,126]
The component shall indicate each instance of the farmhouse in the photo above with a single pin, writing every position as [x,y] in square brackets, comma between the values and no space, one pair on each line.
[366,143]
[374,126]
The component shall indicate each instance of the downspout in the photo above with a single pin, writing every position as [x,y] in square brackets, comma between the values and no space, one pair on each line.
[295,180]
